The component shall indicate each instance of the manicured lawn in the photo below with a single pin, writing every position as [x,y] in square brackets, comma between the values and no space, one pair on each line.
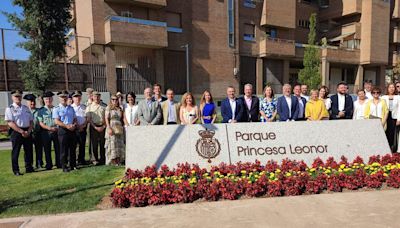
[50,192]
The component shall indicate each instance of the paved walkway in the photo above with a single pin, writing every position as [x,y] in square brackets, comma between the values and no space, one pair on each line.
[351,209]
[5,145]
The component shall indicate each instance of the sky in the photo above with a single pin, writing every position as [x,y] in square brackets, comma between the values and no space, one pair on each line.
[11,38]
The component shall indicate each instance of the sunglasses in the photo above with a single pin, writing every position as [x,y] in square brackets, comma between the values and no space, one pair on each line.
[376,93]
[398,86]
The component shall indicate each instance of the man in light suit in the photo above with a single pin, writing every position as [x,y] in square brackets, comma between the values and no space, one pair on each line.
[342,103]
[231,107]
[170,109]
[149,111]
[287,105]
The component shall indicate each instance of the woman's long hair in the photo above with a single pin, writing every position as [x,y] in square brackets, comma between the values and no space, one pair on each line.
[203,99]
[183,100]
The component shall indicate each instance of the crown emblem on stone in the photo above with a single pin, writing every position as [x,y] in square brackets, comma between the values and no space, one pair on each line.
[207,134]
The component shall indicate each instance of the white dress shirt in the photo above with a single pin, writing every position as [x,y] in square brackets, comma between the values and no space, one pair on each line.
[289,103]
[368,95]
[341,102]
[80,112]
[20,115]
[359,110]
[233,107]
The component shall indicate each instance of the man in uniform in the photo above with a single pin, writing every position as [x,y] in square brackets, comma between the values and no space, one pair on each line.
[95,114]
[65,118]
[36,131]
[80,111]
[20,120]
[49,130]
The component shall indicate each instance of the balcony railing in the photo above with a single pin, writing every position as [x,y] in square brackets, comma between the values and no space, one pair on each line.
[341,55]
[136,32]
[148,3]
[277,47]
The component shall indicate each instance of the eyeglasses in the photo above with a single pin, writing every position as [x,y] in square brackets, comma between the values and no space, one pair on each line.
[376,93]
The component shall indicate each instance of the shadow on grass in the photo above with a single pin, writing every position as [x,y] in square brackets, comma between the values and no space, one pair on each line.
[23,201]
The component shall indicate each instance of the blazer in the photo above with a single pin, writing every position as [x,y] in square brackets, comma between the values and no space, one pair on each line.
[304,104]
[252,114]
[226,110]
[348,107]
[396,104]
[149,115]
[283,109]
[164,108]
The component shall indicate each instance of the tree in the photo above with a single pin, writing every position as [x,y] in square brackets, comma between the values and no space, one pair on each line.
[310,74]
[396,71]
[43,24]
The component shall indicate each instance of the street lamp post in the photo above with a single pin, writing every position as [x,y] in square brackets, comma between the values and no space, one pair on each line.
[187,67]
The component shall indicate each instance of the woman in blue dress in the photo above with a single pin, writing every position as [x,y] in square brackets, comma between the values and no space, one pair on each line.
[268,105]
[208,112]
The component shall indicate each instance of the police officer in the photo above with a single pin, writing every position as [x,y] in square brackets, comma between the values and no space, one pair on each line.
[65,118]
[36,131]
[80,111]
[20,120]
[49,130]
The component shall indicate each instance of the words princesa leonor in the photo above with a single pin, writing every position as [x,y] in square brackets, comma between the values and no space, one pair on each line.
[264,137]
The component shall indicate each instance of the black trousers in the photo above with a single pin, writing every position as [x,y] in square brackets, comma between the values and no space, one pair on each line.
[17,141]
[391,132]
[98,140]
[48,138]
[81,143]
[37,143]
[67,140]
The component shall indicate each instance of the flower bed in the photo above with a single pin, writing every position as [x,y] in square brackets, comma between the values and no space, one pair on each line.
[188,183]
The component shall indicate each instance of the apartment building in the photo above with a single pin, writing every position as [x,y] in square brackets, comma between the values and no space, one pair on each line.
[231,42]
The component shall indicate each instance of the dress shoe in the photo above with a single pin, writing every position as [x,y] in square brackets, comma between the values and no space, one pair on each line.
[30,170]
[65,170]
[18,174]
[74,168]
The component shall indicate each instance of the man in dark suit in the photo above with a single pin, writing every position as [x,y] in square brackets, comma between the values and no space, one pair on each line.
[342,103]
[231,108]
[302,102]
[251,111]
[287,105]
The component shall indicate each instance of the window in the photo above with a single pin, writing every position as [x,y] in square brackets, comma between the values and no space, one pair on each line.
[272,32]
[174,20]
[231,23]
[249,32]
[126,14]
[349,75]
[249,4]
[304,24]
[351,44]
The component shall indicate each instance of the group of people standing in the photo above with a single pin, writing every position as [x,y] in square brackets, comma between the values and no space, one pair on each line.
[66,126]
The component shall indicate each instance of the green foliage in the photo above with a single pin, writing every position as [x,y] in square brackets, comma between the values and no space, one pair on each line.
[43,24]
[396,71]
[310,74]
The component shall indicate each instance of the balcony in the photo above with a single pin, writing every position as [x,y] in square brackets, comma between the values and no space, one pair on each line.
[135,32]
[354,28]
[396,35]
[352,7]
[277,47]
[280,13]
[396,10]
[340,8]
[341,55]
[146,3]
[395,58]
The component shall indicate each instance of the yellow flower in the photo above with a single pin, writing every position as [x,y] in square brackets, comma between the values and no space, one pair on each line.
[288,174]
[342,166]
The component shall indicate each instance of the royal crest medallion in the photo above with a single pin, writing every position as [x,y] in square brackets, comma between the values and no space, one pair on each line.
[208,147]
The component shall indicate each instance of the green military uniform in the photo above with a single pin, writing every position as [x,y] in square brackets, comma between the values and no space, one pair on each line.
[36,132]
[45,116]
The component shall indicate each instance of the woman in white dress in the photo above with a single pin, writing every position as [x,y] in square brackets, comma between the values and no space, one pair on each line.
[188,113]
[130,110]
[323,93]
[392,101]
[359,105]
